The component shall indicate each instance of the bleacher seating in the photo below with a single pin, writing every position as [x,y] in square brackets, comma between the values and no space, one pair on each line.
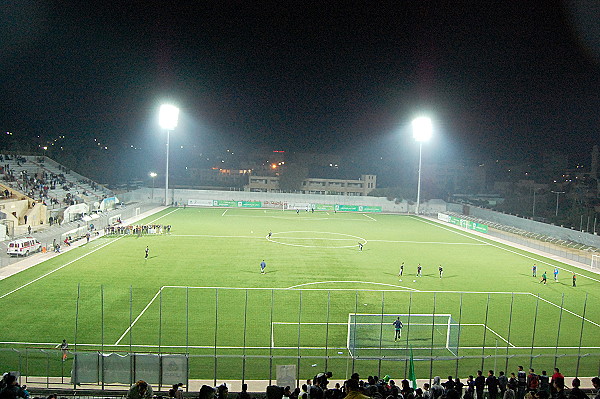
[45,180]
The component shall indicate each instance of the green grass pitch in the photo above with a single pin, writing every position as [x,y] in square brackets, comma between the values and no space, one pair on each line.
[201,292]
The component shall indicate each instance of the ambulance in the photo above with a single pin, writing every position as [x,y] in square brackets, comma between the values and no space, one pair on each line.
[23,246]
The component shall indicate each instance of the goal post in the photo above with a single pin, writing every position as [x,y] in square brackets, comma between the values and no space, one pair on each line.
[595,265]
[373,335]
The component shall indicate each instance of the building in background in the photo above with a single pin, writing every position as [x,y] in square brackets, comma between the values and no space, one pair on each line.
[313,185]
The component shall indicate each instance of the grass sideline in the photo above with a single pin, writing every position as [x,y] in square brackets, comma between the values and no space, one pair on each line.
[317,253]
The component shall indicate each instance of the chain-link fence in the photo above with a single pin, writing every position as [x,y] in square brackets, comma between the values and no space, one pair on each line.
[240,334]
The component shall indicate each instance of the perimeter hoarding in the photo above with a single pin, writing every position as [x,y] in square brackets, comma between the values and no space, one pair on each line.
[467,224]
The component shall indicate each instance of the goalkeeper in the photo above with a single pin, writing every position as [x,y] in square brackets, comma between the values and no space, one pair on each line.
[398,327]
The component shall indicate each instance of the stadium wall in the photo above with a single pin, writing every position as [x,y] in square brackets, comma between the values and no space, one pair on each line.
[182,196]
[526,224]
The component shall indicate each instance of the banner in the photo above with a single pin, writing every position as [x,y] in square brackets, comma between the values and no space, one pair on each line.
[232,204]
[324,207]
[249,204]
[199,202]
[467,224]
[357,208]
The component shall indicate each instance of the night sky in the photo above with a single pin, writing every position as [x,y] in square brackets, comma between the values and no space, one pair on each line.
[503,79]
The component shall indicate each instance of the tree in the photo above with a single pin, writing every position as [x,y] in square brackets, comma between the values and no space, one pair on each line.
[291,177]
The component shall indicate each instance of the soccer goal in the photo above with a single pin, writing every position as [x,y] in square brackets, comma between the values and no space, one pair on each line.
[373,335]
[595,265]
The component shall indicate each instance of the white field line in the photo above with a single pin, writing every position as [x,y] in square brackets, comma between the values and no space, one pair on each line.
[60,267]
[299,217]
[566,310]
[224,212]
[429,242]
[492,331]
[354,282]
[314,238]
[213,236]
[345,324]
[372,218]
[52,345]
[139,316]
[500,247]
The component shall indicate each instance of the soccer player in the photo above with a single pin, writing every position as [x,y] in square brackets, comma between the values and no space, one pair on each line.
[401,269]
[556,274]
[270,233]
[544,279]
[147,251]
[64,347]
[263,265]
[441,270]
[360,246]
[534,270]
[398,327]
[574,280]
[419,270]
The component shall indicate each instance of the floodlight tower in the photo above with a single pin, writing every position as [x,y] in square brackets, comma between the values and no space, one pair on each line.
[153,175]
[557,194]
[168,116]
[422,130]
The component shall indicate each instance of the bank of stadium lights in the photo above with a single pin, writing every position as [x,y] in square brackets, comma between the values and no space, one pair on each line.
[168,117]
[422,131]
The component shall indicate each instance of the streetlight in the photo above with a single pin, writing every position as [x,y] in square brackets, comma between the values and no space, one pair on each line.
[422,130]
[557,194]
[153,175]
[168,116]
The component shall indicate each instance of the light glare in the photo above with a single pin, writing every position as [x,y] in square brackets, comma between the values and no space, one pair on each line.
[422,129]
[168,116]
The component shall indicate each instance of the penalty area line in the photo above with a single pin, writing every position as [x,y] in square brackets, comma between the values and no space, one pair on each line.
[138,316]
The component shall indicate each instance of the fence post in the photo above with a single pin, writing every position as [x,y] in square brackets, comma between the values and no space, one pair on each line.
[299,320]
[271,338]
[510,314]
[410,295]
[76,327]
[581,335]
[432,336]
[102,332]
[537,304]
[327,330]
[381,333]
[459,327]
[244,349]
[487,307]
[131,362]
[354,331]
[216,326]
[562,302]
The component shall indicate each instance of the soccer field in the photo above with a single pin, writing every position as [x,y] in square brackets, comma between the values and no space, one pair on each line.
[322,302]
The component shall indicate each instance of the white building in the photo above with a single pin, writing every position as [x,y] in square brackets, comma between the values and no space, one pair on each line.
[357,188]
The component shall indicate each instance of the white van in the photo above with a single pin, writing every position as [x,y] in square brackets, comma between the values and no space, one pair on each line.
[23,246]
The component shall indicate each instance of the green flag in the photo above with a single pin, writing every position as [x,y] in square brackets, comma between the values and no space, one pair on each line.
[411,371]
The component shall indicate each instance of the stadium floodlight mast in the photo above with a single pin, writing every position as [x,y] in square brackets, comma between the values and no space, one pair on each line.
[153,175]
[422,130]
[168,116]
[557,194]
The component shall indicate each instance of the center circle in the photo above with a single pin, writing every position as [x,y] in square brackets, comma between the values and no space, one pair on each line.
[316,239]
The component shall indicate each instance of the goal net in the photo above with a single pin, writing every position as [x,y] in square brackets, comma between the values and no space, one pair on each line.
[595,262]
[373,335]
